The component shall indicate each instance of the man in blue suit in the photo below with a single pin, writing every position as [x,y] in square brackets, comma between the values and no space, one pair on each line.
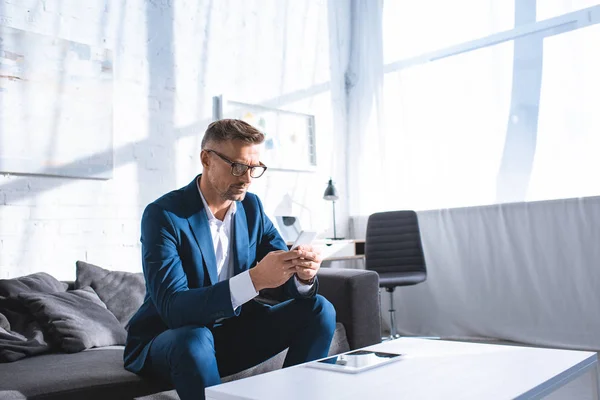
[208,249]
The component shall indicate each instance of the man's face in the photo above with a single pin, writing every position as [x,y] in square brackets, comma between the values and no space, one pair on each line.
[218,171]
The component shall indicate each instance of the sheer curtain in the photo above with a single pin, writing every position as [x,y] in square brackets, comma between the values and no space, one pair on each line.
[552,8]
[412,28]
[440,141]
[445,130]
[364,85]
[567,158]
[431,135]
[436,139]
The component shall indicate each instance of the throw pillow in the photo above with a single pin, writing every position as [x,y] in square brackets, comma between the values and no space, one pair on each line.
[75,320]
[38,282]
[122,292]
[20,334]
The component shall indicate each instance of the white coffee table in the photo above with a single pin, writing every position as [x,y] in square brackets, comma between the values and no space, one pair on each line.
[430,369]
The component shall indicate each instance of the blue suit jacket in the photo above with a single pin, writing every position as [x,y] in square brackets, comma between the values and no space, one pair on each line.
[182,285]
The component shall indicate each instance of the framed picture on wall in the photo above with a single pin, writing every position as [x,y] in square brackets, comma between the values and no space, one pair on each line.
[56,106]
[290,143]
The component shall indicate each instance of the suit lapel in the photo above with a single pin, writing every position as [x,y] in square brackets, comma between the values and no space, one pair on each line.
[240,233]
[199,225]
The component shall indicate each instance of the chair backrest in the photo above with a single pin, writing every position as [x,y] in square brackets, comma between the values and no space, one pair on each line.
[393,243]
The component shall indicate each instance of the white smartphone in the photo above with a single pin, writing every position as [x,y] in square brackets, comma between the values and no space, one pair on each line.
[305,237]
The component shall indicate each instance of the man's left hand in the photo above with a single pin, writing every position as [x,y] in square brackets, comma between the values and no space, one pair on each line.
[308,265]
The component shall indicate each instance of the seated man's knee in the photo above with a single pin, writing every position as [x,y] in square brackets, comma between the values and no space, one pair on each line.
[325,311]
[194,350]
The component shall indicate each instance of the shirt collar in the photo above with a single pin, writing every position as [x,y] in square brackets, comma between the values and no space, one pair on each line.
[211,217]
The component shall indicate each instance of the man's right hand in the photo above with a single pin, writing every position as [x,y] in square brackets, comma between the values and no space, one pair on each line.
[275,269]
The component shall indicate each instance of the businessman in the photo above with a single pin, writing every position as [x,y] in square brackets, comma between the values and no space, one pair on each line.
[208,249]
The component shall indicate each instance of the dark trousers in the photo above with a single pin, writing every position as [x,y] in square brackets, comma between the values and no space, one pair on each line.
[193,358]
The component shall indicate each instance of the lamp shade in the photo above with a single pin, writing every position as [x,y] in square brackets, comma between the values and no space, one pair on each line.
[331,192]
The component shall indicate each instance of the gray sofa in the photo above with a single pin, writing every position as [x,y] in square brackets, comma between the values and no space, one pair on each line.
[98,373]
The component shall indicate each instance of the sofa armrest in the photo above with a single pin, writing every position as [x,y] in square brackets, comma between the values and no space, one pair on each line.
[355,296]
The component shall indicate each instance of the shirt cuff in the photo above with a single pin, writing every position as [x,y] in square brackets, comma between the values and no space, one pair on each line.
[302,288]
[242,289]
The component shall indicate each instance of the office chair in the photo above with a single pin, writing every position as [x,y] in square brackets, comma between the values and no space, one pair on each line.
[393,249]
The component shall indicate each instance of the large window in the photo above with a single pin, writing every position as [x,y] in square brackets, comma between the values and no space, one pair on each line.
[446,123]
[476,107]
[553,8]
[414,27]
[567,157]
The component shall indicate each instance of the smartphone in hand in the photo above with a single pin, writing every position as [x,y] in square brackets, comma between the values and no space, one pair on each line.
[305,237]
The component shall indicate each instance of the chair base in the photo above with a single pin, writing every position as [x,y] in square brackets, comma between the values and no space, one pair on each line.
[390,337]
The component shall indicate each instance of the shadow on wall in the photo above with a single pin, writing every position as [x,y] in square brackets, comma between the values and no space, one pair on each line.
[162,135]
[203,66]
[161,94]
[26,240]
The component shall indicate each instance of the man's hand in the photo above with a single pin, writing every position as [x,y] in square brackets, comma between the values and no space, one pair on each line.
[308,265]
[275,269]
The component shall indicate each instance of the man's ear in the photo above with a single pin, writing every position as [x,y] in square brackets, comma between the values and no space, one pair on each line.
[204,158]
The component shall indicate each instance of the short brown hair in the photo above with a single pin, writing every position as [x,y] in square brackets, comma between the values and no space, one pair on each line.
[232,129]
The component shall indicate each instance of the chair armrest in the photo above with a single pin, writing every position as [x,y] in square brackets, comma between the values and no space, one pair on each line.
[355,296]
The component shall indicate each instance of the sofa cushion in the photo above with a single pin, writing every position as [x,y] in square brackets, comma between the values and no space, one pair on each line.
[38,282]
[122,292]
[75,320]
[91,374]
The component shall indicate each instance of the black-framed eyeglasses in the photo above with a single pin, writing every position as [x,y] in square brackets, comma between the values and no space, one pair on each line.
[239,169]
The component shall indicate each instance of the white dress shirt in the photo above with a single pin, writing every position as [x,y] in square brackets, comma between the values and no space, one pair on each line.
[240,285]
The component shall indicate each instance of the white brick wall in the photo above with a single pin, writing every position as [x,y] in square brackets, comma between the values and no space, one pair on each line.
[259,51]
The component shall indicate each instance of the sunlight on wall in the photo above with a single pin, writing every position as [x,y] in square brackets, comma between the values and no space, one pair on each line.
[170,58]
